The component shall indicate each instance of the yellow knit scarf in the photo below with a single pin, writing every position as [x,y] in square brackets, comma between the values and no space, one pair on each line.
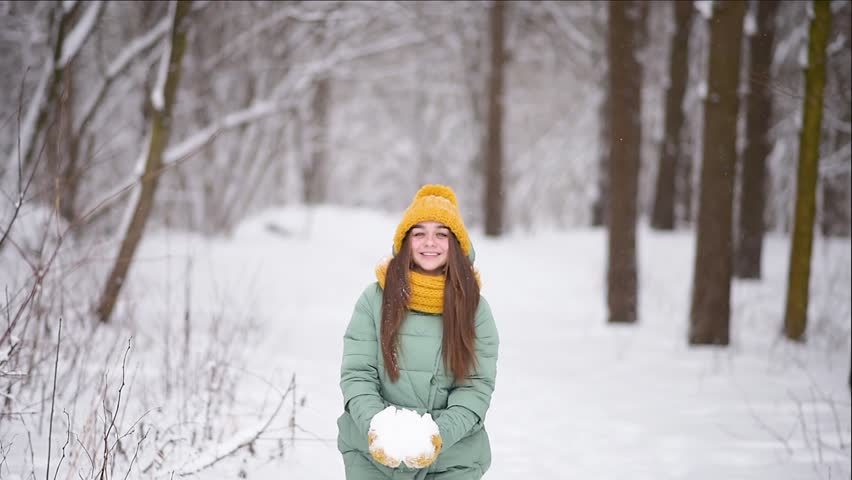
[427,291]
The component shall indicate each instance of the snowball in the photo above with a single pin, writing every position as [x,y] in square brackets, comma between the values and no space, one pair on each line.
[403,433]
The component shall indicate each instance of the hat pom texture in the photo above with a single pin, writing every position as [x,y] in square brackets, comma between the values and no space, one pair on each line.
[437,191]
[433,203]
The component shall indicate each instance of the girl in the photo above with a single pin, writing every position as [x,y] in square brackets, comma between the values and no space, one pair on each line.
[421,338]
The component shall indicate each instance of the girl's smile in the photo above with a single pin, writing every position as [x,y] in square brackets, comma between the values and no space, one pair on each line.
[429,245]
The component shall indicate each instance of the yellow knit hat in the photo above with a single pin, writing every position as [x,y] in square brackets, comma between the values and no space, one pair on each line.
[433,203]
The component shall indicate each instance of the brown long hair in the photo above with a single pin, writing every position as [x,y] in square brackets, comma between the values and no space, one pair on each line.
[461,298]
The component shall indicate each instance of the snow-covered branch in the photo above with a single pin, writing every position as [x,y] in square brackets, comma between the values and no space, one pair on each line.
[566,27]
[157,98]
[836,163]
[68,5]
[187,148]
[130,53]
[233,120]
[78,36]
[136,47]
[65,49]
[28,125]
[237,44]
[240,440]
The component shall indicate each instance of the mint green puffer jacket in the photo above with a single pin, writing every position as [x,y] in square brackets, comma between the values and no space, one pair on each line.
[424,385]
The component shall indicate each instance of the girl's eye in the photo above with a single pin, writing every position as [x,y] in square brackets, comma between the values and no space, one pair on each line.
[417,234]
[442,234]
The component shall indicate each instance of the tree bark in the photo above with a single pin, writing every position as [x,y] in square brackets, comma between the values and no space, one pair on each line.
[835,215]
[662,216]
[494,136]
[600,206]
[66,18]
[625,89]
[68,140]
[711,284]
[159,138]
[795,317]
[315,173]
[684,190]
[749,251]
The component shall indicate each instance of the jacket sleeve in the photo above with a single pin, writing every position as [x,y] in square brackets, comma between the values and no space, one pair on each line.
[359,375]
[469,400]
[454,424]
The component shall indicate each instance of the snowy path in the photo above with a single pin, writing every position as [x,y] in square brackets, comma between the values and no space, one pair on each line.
[575,398]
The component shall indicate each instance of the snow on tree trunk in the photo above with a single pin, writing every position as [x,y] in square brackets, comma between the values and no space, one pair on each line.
[493,201]
[711,284]
[140,208]
[758,146]
[795,316]
[625,88]
[662,216]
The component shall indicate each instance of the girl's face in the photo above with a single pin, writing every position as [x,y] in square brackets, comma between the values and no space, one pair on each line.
[430,242]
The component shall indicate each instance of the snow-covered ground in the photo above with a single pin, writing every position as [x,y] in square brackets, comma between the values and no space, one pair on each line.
[575,398]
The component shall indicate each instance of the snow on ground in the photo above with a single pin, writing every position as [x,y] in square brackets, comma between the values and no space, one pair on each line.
[575,397]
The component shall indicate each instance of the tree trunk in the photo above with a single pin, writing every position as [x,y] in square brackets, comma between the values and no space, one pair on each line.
[662,216]
[159,139]
[67,181]
[315,173]
[684,189]
[625,90]
[747,263]
[795,317]
[711,284]
[53,91]
[601,202]
[494,140]
[835,219]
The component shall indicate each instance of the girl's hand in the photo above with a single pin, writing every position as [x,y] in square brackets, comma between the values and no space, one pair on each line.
[398,435]
[379,453]
[424,460]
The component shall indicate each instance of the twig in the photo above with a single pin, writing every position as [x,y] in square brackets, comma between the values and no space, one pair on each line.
[39,274]
[89,456]
[293,412]
[20,200]
[804,426]
[67,441]
[3,454]
[193,469]
[52,405]
[135,454]
[102,474]
[32,454]
[770,430]
[816,426]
